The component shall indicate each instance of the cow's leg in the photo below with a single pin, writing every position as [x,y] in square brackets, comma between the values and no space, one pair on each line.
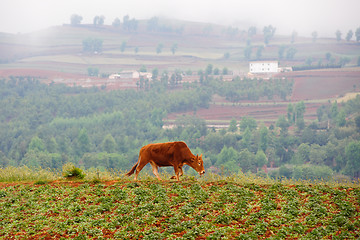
[177,172]
[140,166]
[155,170]
[181,172]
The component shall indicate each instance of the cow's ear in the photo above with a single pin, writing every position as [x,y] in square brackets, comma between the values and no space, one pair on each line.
[200,156]
[193,159]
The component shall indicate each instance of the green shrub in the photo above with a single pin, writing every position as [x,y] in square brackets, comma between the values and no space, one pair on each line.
[70,171]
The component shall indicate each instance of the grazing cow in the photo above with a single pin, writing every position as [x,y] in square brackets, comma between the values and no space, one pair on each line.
[175,154]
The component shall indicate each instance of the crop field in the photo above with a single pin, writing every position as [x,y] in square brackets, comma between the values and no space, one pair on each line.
[190,209]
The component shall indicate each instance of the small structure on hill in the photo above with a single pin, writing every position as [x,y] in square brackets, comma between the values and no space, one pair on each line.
[261,67]
[133,75]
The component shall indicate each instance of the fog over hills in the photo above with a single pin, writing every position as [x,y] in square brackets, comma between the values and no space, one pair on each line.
[323,16]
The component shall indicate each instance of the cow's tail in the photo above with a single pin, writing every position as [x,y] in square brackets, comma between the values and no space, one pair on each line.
[131,172]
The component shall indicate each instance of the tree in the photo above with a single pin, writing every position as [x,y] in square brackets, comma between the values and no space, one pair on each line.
[98,20]
[248,122]
[352,154]
[156,117]
[282,124]
[260,158]
[349,35]
[52,146]
[290,53]
[281,51]
[116,23]
[130,25]
[123,46]
[174,48]
[36,144]
[357,122]
[209,69]
[357,34]
[227,155]
[338,35]
[4,161]
[246,137]
[334,110]
[259,52]
[285,171]
[92,45]
[226,55]
[269,32]
[155,73]
[247,52]
[159,48]
[246,160]
[341,119]
[233,125]
[317,154]
[290,112]
[314,36]
[264,138]
[302,154]
[143,69]
[328,56]
[153,24]
[309,61]
[251,31]
[225,71]
[83,142]
[164,78]
[300,111]
[109,144]
[93,71]
[344,60]
[75,19]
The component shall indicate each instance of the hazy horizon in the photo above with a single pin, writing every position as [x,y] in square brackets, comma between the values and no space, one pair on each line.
[306,16]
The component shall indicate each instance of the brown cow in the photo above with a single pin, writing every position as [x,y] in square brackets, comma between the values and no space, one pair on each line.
[175,154]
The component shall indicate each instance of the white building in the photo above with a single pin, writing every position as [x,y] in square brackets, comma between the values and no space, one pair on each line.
[131,75]
[263,67]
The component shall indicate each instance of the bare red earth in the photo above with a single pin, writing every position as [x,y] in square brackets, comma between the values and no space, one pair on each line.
[311,85]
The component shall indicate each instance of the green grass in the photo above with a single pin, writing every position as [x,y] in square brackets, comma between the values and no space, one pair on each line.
[20,174]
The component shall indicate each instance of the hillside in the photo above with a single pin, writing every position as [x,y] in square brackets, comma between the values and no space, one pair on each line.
[60,48]
[56,55]
[289,123]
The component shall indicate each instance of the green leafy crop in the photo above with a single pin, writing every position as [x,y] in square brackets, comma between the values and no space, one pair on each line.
[171,210]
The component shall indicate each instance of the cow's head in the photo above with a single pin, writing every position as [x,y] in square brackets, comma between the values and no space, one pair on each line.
[197,163]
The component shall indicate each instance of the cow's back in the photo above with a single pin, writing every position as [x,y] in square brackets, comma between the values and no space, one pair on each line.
[165,154]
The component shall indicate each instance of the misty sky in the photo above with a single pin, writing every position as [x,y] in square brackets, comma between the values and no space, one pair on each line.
[304,16]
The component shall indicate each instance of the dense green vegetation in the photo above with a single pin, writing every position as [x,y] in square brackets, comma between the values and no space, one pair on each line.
[190,209]
[48,126]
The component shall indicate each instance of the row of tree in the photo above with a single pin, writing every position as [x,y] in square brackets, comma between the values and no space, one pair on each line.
[349,35]
[155,25]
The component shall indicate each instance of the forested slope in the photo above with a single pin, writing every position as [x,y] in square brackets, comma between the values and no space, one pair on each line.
[47,126]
